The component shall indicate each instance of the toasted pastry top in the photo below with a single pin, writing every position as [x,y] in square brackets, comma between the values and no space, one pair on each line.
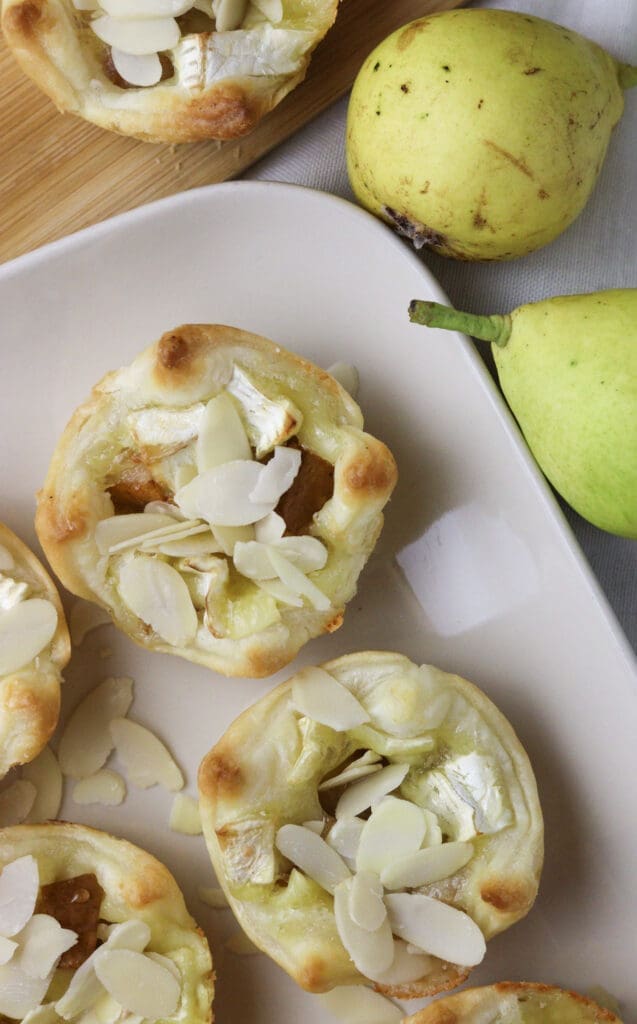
[514,1002]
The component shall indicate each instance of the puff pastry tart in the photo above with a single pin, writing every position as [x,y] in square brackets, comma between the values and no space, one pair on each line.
[219,497]
[373,821]
[514,1002]
[94,929]
[167,70]
[34,648]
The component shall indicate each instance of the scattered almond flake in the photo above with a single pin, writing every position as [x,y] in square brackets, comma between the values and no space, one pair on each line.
[221,495]
[19,886]
[105,787]
[355,1004]
[306,553]
[241,945]
[268,423]
[185,533]
[41,943]
[344,373]
[297,581]
[158,9]
[115,530]
[433,835]
[16,802]
[280,592]
[84,618]
[189,546]
[362,766]
[167,963]
[146,759]
[277,475]
[44,773]
[222,437]
[25,630]
[141,70]
[409,964]
[184,815]
[107,1010]
[273,10]
[228,14]
[157,425]
[173,530]
[371,951]
[157,594]
[436,928]
[229,536]
[366,907]
[19,992]
[140,984]
[213,897]
[137,35]
[6,559]
[86,741]
[344,836]
[269,529]
[84,989]
[367,792]
[314,826]
[164,508]
[7,949]
[425,866]
[395,829]
[133,934]
[312,855]
[322,698]
[252,560]
[43,1014]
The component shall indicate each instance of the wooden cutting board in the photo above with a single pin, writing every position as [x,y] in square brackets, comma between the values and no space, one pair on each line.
[59,174]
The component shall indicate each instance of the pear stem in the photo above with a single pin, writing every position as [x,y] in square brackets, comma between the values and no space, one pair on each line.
[496,329]
[627,76]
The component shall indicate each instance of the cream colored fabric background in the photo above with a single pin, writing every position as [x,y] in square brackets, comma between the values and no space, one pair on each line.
[598,251]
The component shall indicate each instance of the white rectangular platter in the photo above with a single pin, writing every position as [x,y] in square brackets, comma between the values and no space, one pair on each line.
[476,570]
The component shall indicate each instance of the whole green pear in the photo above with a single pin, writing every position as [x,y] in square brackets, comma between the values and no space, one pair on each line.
[481,133]
[568,369]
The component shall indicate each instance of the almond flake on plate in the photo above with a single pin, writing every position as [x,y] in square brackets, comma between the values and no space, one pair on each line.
[312,855]
[365,793]
[425,866]
[86,741]
[44,773]
[185,816]
[19,887]
[436,928]
[157,594]
[394,829]
[84,618]
[322,698]
[25,630]
[354,1004]
[105,787]
[16,802]
[371,951]
[146,759]
[139,984]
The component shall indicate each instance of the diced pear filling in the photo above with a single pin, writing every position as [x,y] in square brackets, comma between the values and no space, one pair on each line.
[217,558]
[119,980]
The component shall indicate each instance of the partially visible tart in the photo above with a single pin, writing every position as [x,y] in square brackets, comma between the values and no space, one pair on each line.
[373,821]
[514,1002]
[34,649]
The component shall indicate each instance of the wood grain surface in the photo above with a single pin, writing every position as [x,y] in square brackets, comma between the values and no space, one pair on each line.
[59,173]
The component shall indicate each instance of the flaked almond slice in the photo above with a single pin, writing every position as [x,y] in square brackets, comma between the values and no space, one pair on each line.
[354,1004]
[322,698]
[19,992]
[425,866]
[406,966]
[366,764]
[107,1010]
[228,14]
[84,990]
[307,553]
[157,594]
[367,792]
[25,630]
[42,942]
[241,945]
[395,829]
[366,905]
[222,437]
[147,761]
[115,530]
[268,422]
[221,495]
[164,507]
[433,835]
[344,373]
[156,426]
[183,531]
[297,581]
[44,773]
[252,559]
[86,741]
[16,802]
[165,962]
[436,928]
[190,546]
[344,836]
[311,854]
[371,951]
[280,592]
[139,984]
[84,618]
[185,816]
[43,1014]
[133,934]
[182,425]
[270,529]
[214,897]
[273,11]
[140,70]
[19,885]
[137,35]
[6,559]
[174,529]
[315,826]
[105,787]
[277,476]
[7,949]
[229,536]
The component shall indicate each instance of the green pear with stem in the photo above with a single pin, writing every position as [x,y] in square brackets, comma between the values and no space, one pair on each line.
[568,369]
[481,133]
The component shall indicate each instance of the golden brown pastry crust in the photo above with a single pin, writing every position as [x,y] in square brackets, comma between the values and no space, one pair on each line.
[30,698]
[242,779]
[135,885]
[186,366]
[460,1008]
[53,45]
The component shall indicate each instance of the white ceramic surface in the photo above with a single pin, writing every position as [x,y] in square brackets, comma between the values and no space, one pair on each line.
[476,570]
